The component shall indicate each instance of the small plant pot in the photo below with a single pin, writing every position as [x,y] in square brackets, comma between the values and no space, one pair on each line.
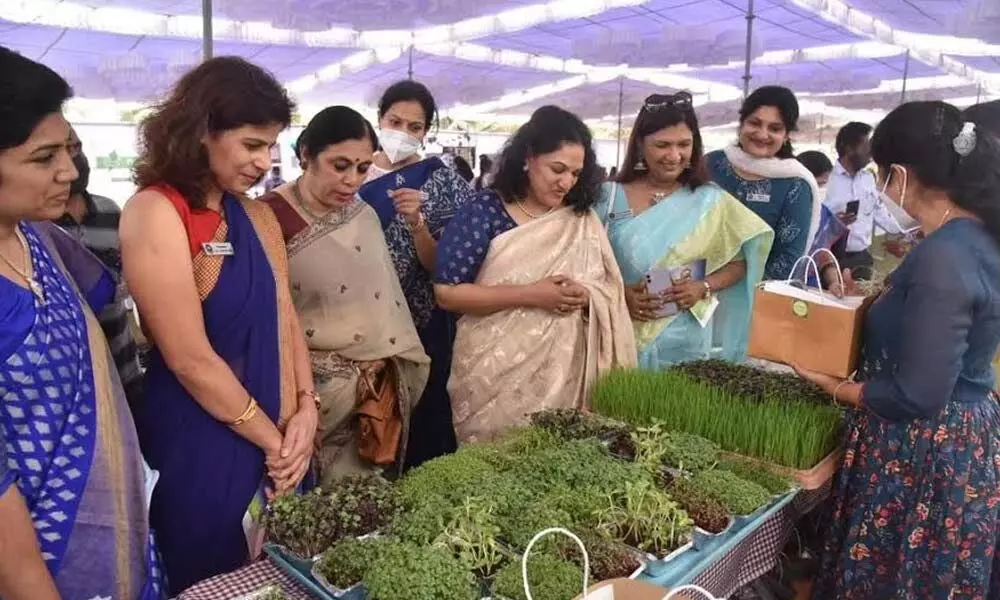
[355,592]
[657,567]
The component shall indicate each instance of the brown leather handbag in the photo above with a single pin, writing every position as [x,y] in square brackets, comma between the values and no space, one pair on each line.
[380,425]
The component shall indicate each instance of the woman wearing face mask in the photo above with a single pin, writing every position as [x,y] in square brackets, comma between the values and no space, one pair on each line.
[73,520]
[761,171]
[345,289]
[662,213]
[229,407]
[528,265]
[414,199]
[916,504]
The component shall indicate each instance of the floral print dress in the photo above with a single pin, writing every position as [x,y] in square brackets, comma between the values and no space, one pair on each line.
[916,503]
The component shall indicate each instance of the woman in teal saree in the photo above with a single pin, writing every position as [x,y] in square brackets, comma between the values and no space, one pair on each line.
[663,216]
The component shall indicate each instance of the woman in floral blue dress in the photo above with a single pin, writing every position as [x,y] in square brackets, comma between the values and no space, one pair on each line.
[916,503]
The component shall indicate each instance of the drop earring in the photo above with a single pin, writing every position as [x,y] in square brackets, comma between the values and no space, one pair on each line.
[525,168]
[641,166]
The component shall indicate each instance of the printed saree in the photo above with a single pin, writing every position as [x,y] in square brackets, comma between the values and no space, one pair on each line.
[690,225]
[522,360]
[69,436]
[209,475]
[352,310]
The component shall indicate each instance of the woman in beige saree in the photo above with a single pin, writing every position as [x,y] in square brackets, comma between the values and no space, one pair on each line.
[529,266]
[355,317]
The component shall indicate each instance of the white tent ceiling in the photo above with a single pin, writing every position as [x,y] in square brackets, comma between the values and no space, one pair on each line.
[502,58]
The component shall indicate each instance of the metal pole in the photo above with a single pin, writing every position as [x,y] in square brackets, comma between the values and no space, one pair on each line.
[979,93]
[906,75]
[621,102]
[206,29]
[746,66]
[820,141]
[409,68]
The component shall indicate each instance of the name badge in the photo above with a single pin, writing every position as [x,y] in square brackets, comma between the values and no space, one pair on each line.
[217,249]
[620,215]
[759,198]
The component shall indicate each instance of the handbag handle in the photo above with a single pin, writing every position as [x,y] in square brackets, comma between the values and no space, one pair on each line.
[540,535]
[690,588]
[836,263]
[805,279]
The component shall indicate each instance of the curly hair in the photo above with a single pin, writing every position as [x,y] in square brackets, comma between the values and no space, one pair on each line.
[549,129]
[219,95]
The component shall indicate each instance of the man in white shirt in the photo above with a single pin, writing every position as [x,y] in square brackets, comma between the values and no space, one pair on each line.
[853,196]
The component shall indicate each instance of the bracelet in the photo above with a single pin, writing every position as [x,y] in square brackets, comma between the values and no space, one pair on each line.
[708,288]
[248,414]
[836,390]
[312,394]
[420,224]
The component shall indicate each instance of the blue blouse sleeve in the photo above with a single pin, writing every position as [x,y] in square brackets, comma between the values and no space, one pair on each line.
[601,208]
[792,231]
[7,475]
[466,240]
[936,318]
[447,192]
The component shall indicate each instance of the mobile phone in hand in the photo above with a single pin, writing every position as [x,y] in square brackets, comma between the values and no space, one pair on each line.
[852,207]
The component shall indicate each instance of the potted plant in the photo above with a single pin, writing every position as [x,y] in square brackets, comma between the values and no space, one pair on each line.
[753,383]
[711,517]
[408,572]
[655,448]
[471,536]
[550,578]
[740,496]
[424,523]
[758,473]
[644,517]
[608,559]
[572,424]
[343,566]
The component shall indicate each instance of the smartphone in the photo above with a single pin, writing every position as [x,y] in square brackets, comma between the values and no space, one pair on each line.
[852,207]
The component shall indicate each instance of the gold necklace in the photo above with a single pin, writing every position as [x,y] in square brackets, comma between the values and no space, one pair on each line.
[28,276]
[302,204]
[528,213]
[944,218]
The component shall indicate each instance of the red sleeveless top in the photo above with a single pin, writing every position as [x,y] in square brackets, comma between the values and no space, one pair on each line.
[200,223]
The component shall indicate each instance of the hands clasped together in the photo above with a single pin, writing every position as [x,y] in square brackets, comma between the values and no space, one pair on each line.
[560,294]
[288,464]
[644,306]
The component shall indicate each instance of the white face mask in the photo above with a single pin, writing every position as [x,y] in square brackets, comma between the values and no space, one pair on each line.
[397,145]
[907,224]
[822,193]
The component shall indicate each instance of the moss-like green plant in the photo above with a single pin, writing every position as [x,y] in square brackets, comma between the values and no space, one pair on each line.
[504,453]
[576,503]
[422,524]
[574,464]
[706,512]
[608,559]
[550,579]
[309,524]
[571,424]
[520,524]
[457,477]
[655,448]
[644,517]
[408,572]
[740,496]
[785,431]
[347,561]
[757,473]
[471,536]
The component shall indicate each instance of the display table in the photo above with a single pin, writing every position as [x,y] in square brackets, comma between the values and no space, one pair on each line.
[246,581]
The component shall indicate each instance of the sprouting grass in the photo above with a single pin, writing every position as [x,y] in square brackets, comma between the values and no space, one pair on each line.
[784,431]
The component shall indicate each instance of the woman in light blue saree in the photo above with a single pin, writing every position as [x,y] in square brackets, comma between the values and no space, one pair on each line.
[690,254]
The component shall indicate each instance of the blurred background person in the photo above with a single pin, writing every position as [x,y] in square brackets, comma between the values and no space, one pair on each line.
[485,172]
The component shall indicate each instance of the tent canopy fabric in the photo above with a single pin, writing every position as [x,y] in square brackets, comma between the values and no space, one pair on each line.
[503,58]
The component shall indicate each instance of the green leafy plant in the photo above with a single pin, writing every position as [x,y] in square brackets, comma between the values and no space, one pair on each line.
[740,496]
[409,572]
[752,383]
[758,473]
[459,476]
[422,524]
[347,561]
[571,424]
[505,452]
[309,524]
[644,517]
[550,578]
[706,512]
[520,524]
[655,448]
[574,464]
[576,503]
[471,535]
[608,559]
[789,432]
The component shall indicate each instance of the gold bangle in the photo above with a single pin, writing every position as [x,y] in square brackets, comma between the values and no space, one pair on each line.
[312,394]
[836,390]
[248,414]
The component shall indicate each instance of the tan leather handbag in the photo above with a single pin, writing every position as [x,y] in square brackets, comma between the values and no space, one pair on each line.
[380,425]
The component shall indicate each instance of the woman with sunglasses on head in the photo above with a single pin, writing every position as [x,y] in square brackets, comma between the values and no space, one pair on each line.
[528,266]
[73,513]
[415,199]
[357,323]
[663,214]
[761,171]
[916,503]
[229,413]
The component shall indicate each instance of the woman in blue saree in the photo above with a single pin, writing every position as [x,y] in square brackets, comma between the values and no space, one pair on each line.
[230,410]
[73,508]
[663,214]
[415,199]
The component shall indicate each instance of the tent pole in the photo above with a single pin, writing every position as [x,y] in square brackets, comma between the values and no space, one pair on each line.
[906,75]
[206,29]
[979,93]
[746,66]
[621,101]
[409,67]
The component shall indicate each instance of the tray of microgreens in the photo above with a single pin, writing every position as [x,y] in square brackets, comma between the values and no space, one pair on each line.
[456,527]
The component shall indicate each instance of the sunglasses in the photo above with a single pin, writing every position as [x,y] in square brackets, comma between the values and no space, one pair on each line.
[658,102]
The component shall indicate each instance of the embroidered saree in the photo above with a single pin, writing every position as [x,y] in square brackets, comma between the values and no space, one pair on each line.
[209,475]
[352,310]
[688,226]
[432,433]
[522,360]
[66,430]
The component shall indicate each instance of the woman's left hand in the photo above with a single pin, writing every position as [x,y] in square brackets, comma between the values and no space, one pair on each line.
[407,202]
[826,382]
[296,450]
[685,294]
